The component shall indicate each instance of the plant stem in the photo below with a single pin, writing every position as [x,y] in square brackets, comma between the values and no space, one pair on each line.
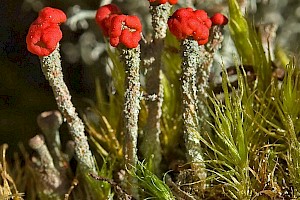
[150,146]
[131,59]
[190,63]
[51,66]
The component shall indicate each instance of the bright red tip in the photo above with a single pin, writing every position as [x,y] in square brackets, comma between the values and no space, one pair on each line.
[116,25]
[44,33]
[130,39]
[201,32]
[185,22]
[121,29]
[52,15]
[114,41]
[176,28]
[182,14]
[133,22]
[201,15]
[172,2]
[219,19]
[104,15]
[43,41]
[202,42]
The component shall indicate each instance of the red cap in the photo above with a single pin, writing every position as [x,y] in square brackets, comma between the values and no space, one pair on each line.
[44,33]
[219,19]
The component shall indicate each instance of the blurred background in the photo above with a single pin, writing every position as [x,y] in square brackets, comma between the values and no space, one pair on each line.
[24,92]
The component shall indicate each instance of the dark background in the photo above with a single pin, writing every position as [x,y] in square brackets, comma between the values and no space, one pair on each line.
[24,92]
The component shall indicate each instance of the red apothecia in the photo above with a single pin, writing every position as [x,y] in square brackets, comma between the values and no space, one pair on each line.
[44,33]
[163,1]
[186,22]
[121,29]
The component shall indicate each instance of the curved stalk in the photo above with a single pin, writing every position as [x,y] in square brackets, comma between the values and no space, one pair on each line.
[51,67]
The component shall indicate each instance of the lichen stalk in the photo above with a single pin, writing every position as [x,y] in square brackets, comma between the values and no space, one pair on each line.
[51,67]
[190,63]
[131,59]
[52,183]
[206,59]
[160,14]
[49,122]
[151,147]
